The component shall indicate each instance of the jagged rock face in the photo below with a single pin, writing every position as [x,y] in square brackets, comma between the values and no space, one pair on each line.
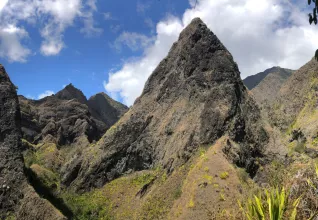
[252,81]
[68,116]
[70,92]
[106,109]
[268,89]
[58,121]
[17,199]
[193,97]
[11,161]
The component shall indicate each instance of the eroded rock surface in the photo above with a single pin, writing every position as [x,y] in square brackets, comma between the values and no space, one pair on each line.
[106,109]
[66,117]
[296,107]
[17,198]
[194,97]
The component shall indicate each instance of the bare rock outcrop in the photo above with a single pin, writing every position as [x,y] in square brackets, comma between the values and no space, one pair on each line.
[68,116]
[17,198]
[194,97]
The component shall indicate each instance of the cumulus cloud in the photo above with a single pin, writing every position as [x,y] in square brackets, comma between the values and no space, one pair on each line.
[133,41]
[2,4]
[52,18]
[10,43]
[89,29]
[128,82]
[259,34]
[45,94]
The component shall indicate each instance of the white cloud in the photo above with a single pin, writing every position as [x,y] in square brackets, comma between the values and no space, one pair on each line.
[92,4]
[52,17]
[51,48]
[129,81]
[45,94]
[10,43]
[2,4]
[132,40]
[259,34]
[89,29]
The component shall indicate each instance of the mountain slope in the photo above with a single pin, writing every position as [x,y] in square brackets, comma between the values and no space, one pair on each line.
[268,89]
[106,109]
[296,106]
[252,81]
[67,116]
[194,97]
[70,92]
[18,199]
[59,121]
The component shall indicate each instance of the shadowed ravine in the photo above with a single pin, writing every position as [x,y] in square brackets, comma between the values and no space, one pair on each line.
[46,193]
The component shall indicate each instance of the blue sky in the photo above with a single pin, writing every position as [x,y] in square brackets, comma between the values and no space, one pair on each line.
[86,60]
[113,46]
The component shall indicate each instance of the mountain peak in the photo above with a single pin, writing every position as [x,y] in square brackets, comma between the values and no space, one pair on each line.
[71,92]
[70,86]
[196,25]
[196,31]
[252,81]
[194,97]
[198,57]
[105,108]
[3,74]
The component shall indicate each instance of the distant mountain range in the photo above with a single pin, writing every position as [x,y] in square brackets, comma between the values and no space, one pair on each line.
[265,86]
[252,81]
[68,115]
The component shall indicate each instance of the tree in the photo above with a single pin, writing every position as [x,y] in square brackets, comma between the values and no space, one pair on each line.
[313,17]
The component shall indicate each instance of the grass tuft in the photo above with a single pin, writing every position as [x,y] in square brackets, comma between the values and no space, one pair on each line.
[224,175]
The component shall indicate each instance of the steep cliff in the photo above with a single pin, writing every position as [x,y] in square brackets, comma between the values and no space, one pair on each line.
[194,97]
[17,198]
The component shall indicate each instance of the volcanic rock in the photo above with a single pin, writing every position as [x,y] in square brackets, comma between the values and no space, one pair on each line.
[194,97]
[18,200]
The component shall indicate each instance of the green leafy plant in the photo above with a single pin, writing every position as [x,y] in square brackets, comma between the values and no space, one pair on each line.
[310,183]
[272,206]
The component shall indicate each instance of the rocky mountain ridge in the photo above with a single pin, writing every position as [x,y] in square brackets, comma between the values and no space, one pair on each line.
[67,116]
[194,143]
[297,101]
[252,81]
[17,198]
[198,89]
[268,88]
